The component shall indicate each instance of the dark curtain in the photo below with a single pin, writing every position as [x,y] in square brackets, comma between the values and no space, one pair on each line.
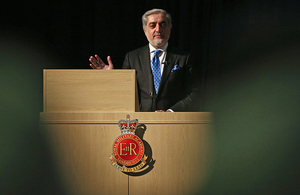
[72,31]
[233,43]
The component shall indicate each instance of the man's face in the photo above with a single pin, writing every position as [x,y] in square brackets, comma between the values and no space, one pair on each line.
[157,30]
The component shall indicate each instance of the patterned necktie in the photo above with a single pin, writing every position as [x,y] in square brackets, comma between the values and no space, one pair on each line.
[155,66]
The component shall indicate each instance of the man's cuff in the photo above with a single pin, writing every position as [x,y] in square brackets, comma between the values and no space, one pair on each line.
[170,110]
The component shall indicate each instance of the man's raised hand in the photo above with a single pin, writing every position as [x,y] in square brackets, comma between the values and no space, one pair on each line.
[97,63]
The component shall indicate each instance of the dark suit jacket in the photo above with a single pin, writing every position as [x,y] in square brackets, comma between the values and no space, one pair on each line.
[177,89]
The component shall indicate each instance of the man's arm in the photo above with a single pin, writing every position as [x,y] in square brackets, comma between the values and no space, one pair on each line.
[97,63]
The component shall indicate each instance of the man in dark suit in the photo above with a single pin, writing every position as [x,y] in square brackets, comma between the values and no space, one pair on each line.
[166,81]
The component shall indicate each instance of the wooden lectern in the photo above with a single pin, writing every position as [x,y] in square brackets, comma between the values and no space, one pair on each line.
[80,119]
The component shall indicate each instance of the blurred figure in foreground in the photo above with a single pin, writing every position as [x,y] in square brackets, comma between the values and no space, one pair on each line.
[257,127]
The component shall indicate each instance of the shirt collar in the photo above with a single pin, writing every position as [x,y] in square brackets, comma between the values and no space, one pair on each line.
[164,48]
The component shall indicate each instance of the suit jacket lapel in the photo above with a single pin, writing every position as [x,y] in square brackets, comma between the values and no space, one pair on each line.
[145,66]
[145,60]
[169,63]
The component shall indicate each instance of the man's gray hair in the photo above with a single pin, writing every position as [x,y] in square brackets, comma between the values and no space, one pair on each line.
[155,11]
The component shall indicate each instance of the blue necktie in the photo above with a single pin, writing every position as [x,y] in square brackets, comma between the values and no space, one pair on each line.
[155,66]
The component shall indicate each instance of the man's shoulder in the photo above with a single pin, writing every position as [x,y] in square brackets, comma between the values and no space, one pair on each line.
[139,50]
[178,51]
[172,50]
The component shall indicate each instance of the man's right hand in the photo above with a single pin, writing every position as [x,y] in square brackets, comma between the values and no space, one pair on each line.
[97,63]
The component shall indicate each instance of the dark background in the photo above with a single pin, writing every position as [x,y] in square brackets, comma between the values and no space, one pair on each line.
[247,53]
[70,32]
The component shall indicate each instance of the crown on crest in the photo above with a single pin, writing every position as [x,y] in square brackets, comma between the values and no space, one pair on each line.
[128,126]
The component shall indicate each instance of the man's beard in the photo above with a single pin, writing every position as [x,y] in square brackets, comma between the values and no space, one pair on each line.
[156,43]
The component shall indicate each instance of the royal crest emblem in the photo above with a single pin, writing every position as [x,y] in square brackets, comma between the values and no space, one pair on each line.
[128,148]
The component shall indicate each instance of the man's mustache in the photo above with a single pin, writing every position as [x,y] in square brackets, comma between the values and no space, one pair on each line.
[155,34]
